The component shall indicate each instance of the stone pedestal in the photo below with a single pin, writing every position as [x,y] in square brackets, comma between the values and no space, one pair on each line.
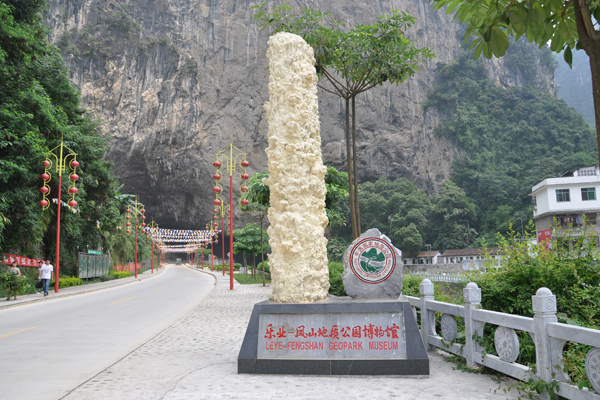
[339,337]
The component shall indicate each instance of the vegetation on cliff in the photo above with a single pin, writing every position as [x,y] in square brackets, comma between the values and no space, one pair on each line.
[39,106]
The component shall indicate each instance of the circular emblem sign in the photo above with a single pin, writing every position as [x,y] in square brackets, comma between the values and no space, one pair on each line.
[372,260]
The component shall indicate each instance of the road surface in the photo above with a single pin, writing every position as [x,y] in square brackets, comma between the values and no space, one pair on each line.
[48,348]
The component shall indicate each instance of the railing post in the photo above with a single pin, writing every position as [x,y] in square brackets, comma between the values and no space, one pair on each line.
[427,317]
[472,297]
[544,308]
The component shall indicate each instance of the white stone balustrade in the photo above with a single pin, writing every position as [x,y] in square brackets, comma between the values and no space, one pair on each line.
[548,334]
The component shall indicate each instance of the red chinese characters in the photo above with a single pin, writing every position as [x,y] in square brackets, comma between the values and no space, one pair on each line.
[369,331]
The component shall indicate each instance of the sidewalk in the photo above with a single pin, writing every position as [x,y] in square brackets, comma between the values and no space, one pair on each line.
[196,358]
[75,290]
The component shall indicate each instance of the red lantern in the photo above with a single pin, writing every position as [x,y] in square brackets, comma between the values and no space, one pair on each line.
[128,217]
[74,164]
[217,202]
[244,189]
[215,211]
[128,210]
[245,202]
[128,231]
[143,224]
[245,163]
[44,189]
[217,189]
[143,210]
[217,177]
[73,190]
[245,176]
[217,164]
[143,217]
[128,224]
[73,203]
[215,217]
[74,177]
[43,203]
[45,163]
[45,177]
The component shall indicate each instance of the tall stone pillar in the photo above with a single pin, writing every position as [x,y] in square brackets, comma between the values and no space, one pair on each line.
[297,217]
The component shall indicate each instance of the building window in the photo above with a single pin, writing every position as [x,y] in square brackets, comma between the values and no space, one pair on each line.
[534,201]
[591,218]
[588,193]
[562,195]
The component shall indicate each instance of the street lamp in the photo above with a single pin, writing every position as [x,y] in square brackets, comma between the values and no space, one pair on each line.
[136,208]
[428,252]
[230,156]
[62,161]
[153,228]
[522,231]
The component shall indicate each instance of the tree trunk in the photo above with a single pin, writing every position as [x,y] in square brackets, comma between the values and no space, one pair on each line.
[350,180]
[355,177]
[590,42]
[262,249]
[254,266]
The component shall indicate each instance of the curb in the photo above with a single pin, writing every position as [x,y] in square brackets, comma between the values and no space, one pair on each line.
[32,300]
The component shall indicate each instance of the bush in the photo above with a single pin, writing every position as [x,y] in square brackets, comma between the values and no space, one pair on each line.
[14,283]
[67,281]
[237,266]
[267,269]
[119,274]
[336,285]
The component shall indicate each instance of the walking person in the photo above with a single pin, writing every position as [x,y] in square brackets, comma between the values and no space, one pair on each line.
[39,286]
[46,275]
[14,270]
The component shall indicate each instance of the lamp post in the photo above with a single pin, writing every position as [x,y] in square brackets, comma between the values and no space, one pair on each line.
[522,231]
[62,154]
[230,156]
[153,228]
[136,208]
[428,252]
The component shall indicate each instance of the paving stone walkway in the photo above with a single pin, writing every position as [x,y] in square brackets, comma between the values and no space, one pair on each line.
[76,290]
[196,358]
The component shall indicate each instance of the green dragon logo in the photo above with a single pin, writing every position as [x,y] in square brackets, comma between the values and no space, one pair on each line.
[372,260]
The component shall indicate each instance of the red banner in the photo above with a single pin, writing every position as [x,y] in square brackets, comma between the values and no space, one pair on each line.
[24,261]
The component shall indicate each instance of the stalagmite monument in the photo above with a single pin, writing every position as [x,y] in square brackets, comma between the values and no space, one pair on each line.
[375,333]
[298,259]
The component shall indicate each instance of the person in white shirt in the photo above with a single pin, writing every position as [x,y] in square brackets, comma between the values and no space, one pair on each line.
[46,274]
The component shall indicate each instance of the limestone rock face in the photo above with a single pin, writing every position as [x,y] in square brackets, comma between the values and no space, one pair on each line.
[298,259]
[173,80]
[372,267]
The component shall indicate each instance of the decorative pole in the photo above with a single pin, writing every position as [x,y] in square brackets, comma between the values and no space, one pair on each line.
[230,156]
[137,208]
[153,228]
[61,164]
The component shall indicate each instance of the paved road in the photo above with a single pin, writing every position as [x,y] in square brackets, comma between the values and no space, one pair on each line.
[49,348]
[196,359]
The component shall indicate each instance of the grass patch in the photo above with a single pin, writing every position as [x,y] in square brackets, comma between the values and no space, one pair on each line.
[249,279]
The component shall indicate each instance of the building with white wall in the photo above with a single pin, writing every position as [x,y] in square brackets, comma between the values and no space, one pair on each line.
[569,198]
[424,257]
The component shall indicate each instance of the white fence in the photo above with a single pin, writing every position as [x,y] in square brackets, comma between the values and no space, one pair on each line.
[548,335]
[454,278]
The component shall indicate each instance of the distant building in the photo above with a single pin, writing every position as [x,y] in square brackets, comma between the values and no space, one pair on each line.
[470,258]
[424,257]
[569,198]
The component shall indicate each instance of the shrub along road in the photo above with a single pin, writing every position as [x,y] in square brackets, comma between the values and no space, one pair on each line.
[48,348]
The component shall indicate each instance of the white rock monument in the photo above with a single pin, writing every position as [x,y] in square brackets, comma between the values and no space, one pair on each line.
[297,217]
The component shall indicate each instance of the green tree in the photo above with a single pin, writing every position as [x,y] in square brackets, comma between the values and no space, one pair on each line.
[258,197]
[353,61]
[250,241]
[39,107]
[566,24]
[451,218]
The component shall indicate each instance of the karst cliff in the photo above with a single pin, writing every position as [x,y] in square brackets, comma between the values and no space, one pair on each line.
[175,80]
